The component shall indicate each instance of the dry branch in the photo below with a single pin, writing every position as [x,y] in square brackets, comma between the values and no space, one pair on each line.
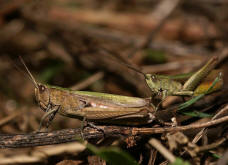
[70,135]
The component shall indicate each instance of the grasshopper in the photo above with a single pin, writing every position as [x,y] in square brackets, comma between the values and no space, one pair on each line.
[166,86]
[90,106]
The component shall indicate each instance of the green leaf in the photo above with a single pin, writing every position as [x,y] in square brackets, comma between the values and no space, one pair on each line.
[112,155]
[217,79]
[215,155]
[197,114]
[180,161]
[190,102]
[195,99]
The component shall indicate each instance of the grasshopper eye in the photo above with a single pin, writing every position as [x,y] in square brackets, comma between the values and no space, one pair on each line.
[154,78]
[42,88]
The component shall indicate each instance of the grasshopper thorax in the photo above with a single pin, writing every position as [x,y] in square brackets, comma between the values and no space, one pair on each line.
[42,95]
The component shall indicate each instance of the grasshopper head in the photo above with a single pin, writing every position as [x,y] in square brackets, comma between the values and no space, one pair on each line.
[153,82]
[42,96]
[41,91]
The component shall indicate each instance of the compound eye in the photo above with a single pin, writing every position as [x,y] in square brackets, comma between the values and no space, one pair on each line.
[154,78]
[160,89]
[41,88]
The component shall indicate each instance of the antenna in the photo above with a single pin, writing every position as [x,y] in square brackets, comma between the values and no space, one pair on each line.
[135,69]
[123,61]
[29,74]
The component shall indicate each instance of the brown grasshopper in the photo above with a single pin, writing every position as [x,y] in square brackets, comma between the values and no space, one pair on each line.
[91,106]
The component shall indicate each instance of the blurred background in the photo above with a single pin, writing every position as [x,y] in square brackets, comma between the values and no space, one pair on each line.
[83,44]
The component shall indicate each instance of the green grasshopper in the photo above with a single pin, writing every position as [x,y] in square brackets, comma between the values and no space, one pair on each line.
[91,106]
[166,86]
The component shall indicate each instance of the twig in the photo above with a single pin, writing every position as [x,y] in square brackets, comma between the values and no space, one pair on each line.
[85,83]
[171,66]
[200,134]
[147,131]
[165,152]
[213,145]
[161,14]
[223,54]
[44,138]
[69,135]
[40,154]
[153,156]
[8,118]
